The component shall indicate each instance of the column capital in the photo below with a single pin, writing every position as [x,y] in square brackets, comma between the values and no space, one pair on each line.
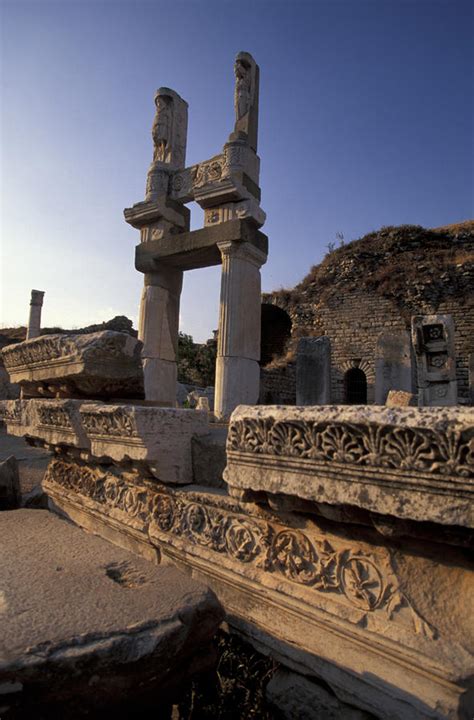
[37,297]
[242,251]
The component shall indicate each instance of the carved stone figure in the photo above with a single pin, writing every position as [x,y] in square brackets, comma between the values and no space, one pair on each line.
[169,129]
[162,124]
[246,99]
[243,86]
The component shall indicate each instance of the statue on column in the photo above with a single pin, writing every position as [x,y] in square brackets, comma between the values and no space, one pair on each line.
[243,87]
[169,140]
[162,125]
[246,99]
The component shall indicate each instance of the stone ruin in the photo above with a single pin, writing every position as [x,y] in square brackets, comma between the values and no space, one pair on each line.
[337,539]
[226,186]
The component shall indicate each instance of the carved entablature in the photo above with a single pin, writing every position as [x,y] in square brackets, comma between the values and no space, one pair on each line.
[95,365]
[342,577]
[37,351]
[406,462]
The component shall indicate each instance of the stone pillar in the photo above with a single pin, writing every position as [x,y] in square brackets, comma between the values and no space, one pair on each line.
[313,371]
[238,350]
[34,322]
[393,364]
[158,331]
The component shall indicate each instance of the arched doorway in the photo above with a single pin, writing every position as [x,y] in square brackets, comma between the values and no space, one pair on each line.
[355,387]
[276,331]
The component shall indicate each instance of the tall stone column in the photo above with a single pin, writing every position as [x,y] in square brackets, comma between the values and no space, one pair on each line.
[158,330]
[34,322]
[238,350]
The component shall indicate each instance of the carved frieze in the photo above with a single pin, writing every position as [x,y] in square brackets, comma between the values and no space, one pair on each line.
[57,416]
[96,365]
[387,446]
[119,422]
[37,351]
[351,574]
[408,462]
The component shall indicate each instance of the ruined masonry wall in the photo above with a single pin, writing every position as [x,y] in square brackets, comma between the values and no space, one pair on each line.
[353,322]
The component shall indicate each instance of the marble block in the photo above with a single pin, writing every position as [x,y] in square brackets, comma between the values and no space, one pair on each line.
[411,463]
[159,437]
[95,365]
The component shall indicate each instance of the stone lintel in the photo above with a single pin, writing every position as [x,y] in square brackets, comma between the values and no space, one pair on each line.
[145,213]
[198,248]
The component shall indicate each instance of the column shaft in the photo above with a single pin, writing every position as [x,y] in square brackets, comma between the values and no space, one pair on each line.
[158,330]
[238,352]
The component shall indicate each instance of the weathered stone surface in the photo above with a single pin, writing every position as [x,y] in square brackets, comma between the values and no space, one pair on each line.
[99,365]
[209,458]
[471,378]
[53,422]
[313,371]
[160,437]
[34,321]
[238,348]
[296,697]
[86,623]
[433,341]
[10,494]
[156,438]
[393,364]
[32,464]
[8,390]
[413,463]
[401,398]
[387,625]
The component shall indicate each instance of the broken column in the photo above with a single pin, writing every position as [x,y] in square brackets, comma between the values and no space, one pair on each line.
[433,342]
[34,321]
[393,364]
[313,371]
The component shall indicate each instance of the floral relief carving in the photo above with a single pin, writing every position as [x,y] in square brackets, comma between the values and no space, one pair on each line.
[401,448]
[42,349]
[365,583]
[13,412]
[55,416]
[117,422]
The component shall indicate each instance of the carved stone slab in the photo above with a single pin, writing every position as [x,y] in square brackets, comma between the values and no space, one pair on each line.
[433,341]
[338,598]
[156,439]
[54,422]
[159,437]
[415,463]
[96,365]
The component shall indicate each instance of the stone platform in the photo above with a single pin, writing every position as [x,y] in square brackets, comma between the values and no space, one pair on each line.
[85,625]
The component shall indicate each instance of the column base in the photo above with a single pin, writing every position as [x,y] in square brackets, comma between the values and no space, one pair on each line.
[160,377]
[237,383]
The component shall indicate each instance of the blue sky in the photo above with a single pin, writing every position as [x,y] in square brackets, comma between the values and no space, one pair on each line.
[366,119]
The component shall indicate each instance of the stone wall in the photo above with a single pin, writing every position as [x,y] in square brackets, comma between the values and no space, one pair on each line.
[353,312]
[278,384]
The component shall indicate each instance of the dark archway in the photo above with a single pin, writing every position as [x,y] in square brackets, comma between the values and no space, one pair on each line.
[276,331]
[355,387]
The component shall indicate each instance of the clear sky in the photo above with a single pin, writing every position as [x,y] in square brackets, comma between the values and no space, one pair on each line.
[366,119]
